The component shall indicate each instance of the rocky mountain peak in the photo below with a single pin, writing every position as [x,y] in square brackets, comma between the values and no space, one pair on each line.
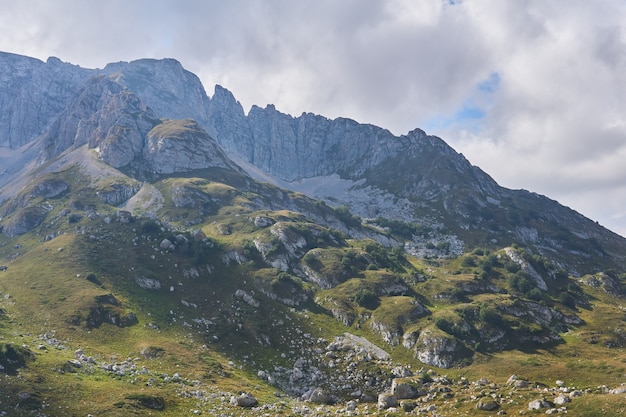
[414,178]
[26,81]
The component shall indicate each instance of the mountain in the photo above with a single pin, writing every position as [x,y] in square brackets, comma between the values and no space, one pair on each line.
[162,250]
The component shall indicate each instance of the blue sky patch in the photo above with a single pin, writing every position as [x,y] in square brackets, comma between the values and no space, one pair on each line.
[472,111]
[491,84]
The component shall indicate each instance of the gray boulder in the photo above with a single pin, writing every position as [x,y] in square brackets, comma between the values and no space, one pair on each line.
[318,395]
[387,400]
[562,399]
[244,400]
[24,220]
[487,405]
[403,389]
[438,349]
[539,404]
[167,245]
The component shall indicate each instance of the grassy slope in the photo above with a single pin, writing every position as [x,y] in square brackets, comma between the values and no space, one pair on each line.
[48,287]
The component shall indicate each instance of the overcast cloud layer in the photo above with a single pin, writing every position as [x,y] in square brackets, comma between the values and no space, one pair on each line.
[532,91]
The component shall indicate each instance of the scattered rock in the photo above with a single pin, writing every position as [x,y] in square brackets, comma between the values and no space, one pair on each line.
[167,245]
[247,298]
[148,283]
[318,395]
[562,399]
[539,404]
[151,352]
[260,221]
[403,389]
[244,400]
[487,405]
[387,400]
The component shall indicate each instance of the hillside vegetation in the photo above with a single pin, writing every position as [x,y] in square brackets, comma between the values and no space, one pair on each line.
[217,290]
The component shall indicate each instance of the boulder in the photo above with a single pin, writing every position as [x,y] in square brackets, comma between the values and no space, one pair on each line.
[320,396]
[24,220]
[618,390]
[118,194]
[50,188]
[438,349]
[562,399]
[261,221]
[403,389]
[387,400]
[167,245]
[487,405]
[539,404]
[244,400]
[515,381]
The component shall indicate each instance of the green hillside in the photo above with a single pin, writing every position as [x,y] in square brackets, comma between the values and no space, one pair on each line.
[208,285]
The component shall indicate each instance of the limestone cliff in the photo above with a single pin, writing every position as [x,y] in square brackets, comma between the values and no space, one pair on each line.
[32,94]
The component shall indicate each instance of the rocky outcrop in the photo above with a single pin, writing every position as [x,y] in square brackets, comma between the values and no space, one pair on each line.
[106,116]
[605,282]
[50,188]
[164,85]
[525,266]
[438,349]
[25,220]
[414,177]
[244,400]
[181,146]
[33,94]
[118,194]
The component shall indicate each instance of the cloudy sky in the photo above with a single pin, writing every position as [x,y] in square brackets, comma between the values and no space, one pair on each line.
[531,91]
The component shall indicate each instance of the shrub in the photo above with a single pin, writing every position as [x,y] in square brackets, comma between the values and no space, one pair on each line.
[153,402]
[367,298]
[490,316]
[91,277]
[534,294]
[150,227]
[567,300]
[74,217]
[521,282]
[512,267]
[468,261]
[343,213]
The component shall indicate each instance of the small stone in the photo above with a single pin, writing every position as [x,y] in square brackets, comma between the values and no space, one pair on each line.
[562,399]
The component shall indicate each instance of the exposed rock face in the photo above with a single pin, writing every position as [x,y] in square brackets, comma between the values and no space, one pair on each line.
[125,131]
[438,349]
[180,146]
[106,116]
[50,188]
[32,94]
[118,194]
[526,267]
[25,220]
[413,177]
[165,86]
